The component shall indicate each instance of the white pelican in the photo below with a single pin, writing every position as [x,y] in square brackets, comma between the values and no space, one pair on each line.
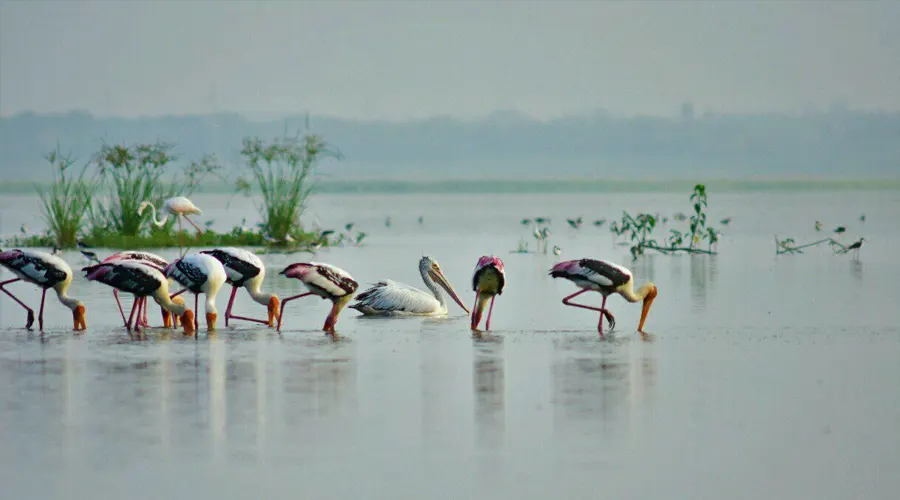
[389,298]
[245,269]
[179,206]
[326,281]
[199,273]
[46,271]
[488,281]
[153,260]
[606,278]
[141,280]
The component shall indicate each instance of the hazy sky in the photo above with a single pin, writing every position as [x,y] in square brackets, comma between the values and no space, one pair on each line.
[417,58]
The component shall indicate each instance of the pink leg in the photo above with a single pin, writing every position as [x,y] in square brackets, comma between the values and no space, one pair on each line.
[601,310]
[41,314]
[199,231]
[176,294]
[330,320]
[138,306]
[30,320]
[260,321]
[230,303]
[146,321]
[284,303]
[131,316]
[196,312]
[121,311]
[487,326]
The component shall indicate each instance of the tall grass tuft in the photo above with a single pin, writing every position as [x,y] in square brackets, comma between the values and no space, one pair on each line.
[66,204]
[282,170]
[132,174]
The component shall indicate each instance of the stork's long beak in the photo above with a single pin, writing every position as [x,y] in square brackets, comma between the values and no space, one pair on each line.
[273,309]
[187,321]
[445,284]
[648,300]
[78,318]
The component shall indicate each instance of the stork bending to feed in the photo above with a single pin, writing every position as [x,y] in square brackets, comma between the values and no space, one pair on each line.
[326,281]
[141,280]
[607,278]
[199,273]
[389,298]
[179,206]
[46,271]
[152,260]
[244,269]
[487,282]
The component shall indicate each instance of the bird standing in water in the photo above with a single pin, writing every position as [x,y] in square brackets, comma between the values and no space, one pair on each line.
[488,281]
[607,278]
[326,281]
[46,271]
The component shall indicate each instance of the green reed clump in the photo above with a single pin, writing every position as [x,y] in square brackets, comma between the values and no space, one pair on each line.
[639,230]
[132,174]
[66,203]
[282,171]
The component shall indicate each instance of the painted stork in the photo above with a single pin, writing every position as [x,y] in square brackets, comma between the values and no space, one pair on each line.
[179,206]
[488,281]
[245,269]
[141,280]
[326,281]
[46,271]
[153,260]
[606,278]
[199,273]
[389,298]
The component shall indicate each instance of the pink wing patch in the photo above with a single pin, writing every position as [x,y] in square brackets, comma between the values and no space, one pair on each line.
[565,266]
[298,270]
[488,260]
[10,255]
[98,272]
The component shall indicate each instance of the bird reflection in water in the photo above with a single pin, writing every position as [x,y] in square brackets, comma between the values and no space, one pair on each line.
[598,386]
[489,389]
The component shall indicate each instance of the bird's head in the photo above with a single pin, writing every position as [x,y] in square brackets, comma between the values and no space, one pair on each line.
[274,309]
[428,265]
[78,317]
[650,296]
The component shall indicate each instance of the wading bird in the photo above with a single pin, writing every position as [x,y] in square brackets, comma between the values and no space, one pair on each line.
[155,261]
[487,282]
[244,269]
[818,226]
[178,206]
[141,280]
[855,247]
[199,273]
[606,278]
[840,230]
[326,281]
[90,256]
[46,271]
[557,251]
[389,298]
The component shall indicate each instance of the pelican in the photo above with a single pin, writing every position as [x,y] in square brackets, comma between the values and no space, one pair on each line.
[179,206]
[141,280]
[389,298]
[606,278]
[46,271]
[244,269]
[487,282]
[199,273]
[326,281]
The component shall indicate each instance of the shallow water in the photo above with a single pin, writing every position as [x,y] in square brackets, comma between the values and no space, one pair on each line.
[767,377]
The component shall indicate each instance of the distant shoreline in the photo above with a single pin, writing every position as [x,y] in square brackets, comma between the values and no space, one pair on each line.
[538,186]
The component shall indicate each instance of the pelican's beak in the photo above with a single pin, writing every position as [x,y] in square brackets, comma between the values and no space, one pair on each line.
[187,320]
[78,318]
[273,310]
[648,300]
[439,277]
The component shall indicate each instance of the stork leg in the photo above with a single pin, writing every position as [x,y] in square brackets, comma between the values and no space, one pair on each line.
[230,303]
[30,320]
[121,311]
[146,322]
[137,307]
[602,310]
[197,314]
[131,317]
[176,294]
[284,303]
[487,326]
[41,314]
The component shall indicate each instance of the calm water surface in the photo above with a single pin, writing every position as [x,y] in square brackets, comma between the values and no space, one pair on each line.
[768,377]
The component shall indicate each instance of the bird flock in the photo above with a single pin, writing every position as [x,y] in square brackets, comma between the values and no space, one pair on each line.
[144,274]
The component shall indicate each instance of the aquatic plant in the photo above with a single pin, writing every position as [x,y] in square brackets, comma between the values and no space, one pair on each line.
[790,246]
[282,171]
[66,203]
[639,230]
